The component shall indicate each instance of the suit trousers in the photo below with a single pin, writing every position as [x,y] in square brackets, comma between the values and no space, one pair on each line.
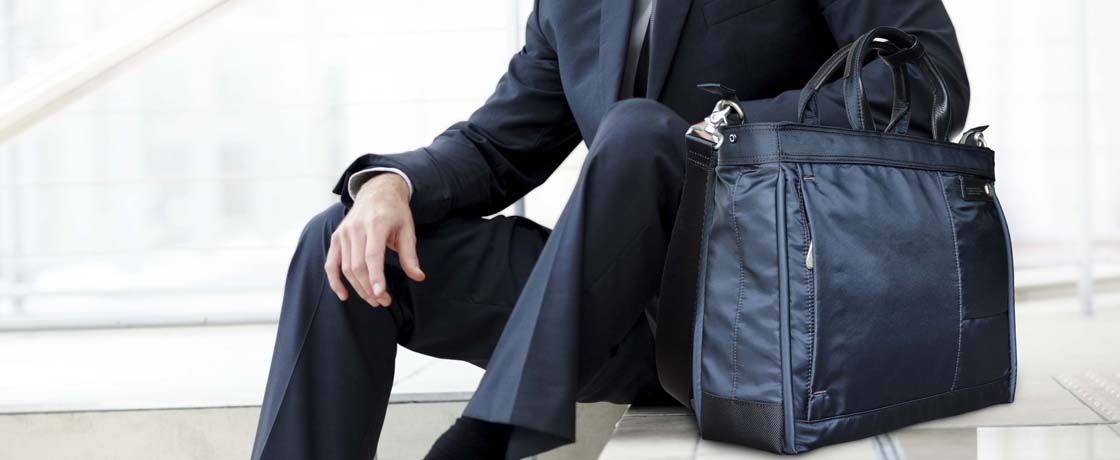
[554,317]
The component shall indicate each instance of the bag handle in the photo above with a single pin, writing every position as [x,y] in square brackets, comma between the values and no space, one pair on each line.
[897,49]
[912,51]
[900,114]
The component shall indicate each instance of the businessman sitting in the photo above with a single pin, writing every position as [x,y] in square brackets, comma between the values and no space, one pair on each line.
[556,316]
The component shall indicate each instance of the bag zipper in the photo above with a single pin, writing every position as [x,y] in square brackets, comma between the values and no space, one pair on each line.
[809,262]
[811,301]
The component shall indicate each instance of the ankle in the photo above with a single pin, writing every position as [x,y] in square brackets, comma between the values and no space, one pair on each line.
[471,439]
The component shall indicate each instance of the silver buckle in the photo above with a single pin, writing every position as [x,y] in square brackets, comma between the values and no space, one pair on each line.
[974,137]
[708,129]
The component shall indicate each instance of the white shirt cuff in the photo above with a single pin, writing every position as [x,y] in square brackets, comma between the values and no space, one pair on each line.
[359,178]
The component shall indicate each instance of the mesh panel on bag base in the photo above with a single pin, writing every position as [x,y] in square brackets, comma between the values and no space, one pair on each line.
[753,424]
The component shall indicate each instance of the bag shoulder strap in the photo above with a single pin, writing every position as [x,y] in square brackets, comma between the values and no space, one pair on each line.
[680,282]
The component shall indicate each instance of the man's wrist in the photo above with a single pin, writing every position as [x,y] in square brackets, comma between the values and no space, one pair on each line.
[359,178]
[384,184]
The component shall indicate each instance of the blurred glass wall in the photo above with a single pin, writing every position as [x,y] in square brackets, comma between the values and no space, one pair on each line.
[1042,75]
[177,190]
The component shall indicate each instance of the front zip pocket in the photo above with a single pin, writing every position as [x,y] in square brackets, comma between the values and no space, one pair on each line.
[808,284]
[878,285]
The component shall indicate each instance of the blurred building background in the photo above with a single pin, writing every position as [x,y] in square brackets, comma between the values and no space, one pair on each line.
[177,189]
[173,193]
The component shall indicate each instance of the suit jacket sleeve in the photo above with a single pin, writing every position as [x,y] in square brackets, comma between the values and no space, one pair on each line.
[505,149]
[848,19]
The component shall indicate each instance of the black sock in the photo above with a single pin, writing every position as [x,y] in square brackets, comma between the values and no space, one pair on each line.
[471,439]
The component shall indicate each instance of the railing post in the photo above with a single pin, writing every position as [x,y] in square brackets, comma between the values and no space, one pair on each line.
[1084,140]
[517,40]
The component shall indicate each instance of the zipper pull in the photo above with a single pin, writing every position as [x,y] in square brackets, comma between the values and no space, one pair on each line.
[809,256]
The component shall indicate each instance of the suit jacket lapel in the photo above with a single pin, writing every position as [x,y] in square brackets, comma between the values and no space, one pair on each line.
[614,35]
[668,21]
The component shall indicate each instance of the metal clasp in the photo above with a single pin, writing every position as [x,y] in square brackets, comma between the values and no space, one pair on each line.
[726,111]
[975,137]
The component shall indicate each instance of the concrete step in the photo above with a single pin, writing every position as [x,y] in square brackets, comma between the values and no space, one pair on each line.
[216,433]
[195,393]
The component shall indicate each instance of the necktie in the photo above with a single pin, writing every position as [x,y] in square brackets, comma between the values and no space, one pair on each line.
[641,74]
[636,66]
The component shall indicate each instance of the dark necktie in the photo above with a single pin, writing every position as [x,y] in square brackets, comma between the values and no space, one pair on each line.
[641,74]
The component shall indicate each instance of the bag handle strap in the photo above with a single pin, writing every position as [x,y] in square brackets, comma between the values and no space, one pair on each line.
[898,49]
[855,99]
[900,113]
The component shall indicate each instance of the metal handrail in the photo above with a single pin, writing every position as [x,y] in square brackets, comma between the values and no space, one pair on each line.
[68,77]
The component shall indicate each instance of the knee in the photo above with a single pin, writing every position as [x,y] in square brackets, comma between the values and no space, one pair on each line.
[318,230]
[638,120]
[638,131]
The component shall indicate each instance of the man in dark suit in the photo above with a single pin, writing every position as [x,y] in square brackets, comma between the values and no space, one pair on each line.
[554,316]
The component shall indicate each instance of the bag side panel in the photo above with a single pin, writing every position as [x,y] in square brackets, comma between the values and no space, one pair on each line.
[985,348]
[741,371]
[1010,300]
[741,358]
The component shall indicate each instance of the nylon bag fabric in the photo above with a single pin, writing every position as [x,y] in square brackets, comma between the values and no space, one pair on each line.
[828,284]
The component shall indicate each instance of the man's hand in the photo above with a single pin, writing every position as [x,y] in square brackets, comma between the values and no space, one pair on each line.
[380,218]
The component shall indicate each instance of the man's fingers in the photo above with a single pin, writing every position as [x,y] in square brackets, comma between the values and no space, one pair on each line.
[375,261]
[406,250]
[346,263]
[356,246]
[333,267]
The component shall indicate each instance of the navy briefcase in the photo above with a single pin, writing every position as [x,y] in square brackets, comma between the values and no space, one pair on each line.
[827,284]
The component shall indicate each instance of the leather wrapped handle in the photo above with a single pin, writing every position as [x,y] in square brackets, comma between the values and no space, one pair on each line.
[912,51]
[900,113]
[898,49]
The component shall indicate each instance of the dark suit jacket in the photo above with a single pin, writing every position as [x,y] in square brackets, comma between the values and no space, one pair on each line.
[558,87]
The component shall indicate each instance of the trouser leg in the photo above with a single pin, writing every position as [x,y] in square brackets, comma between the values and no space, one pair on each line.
[332,367]
[583,303]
